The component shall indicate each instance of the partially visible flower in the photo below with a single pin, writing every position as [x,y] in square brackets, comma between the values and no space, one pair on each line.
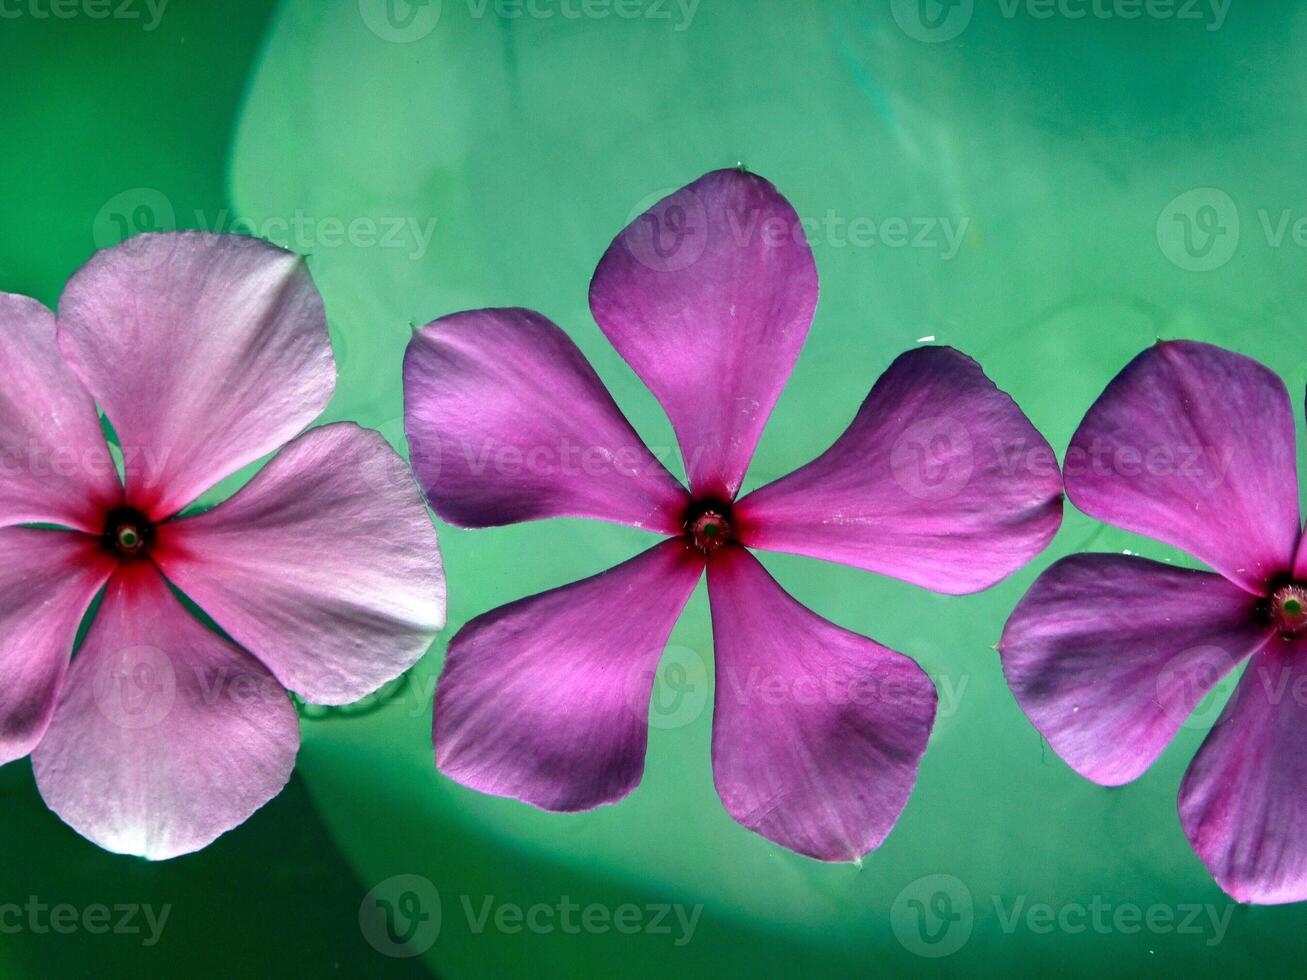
[205,353]
[1109,655]
[818,732]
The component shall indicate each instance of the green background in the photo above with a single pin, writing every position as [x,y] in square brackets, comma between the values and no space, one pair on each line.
[523,138]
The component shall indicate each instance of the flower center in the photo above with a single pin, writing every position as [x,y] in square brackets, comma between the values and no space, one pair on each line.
[1289,608]
[127,533]
[708,525]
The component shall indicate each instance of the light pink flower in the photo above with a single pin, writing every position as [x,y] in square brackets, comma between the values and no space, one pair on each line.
[205,353]
[817,732]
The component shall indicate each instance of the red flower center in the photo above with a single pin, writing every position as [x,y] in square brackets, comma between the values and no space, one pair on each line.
[1289,608]
[708,525]
[127,533]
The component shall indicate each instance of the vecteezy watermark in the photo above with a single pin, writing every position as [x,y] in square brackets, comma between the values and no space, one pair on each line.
[934,21]
[1194,685]
[137,687]
[1199,229]
[40,461]
[671,230]
[406,21]
[1200,687]
[676,694]
[936,458]
[935,916]
[148,12]
[146,209]
[63,919]
[402,917]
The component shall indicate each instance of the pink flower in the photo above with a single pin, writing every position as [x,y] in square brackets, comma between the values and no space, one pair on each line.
[818,732]
[205,352]
[1109,654]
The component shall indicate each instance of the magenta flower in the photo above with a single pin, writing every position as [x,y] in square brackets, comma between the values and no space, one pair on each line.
[205,352]
[708,296]
[1109,654]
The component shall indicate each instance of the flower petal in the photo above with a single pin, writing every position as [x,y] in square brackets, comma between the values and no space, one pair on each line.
[940,480]
[507,422]
[325,566]
[817,732]
[1194,445]
[1108,655]
[205,352]
[166,736]
[55,466]
[546,699]
[47,582]
[1243,802]
[708,295]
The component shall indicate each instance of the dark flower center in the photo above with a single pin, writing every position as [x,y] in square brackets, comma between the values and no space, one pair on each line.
[708,525]
[1288,608]
[127,533]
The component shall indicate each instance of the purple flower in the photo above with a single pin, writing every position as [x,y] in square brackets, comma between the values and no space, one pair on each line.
[817,732]
[1110,654]
[206,353]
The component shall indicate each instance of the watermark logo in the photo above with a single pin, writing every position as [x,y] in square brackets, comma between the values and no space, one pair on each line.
[1194,686]
[933,458]
[142,210]
[932,21]
[933,916]
[400,21]
[1199,230]
[400,917]
[676,693]
[667,231]
[135,687]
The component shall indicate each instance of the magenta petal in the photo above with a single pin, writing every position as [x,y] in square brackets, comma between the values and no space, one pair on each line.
[55,466]
[547,699]
[1243,802]
[940,480]
[1108,655]
[205,352]
[817,732]
[166,735]
[507,421]
[47,582]
[325,566]
[709,295]
[1194,445]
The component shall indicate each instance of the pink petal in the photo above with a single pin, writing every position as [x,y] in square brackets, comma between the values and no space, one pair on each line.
[47,582]
[1194,445]
[940,480]
[817,732]
[709,295]
[325,566]
[205,352]
[166,736]
[547,699]
[507,421]
[1108,655]
[55,466]
[1243,802]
